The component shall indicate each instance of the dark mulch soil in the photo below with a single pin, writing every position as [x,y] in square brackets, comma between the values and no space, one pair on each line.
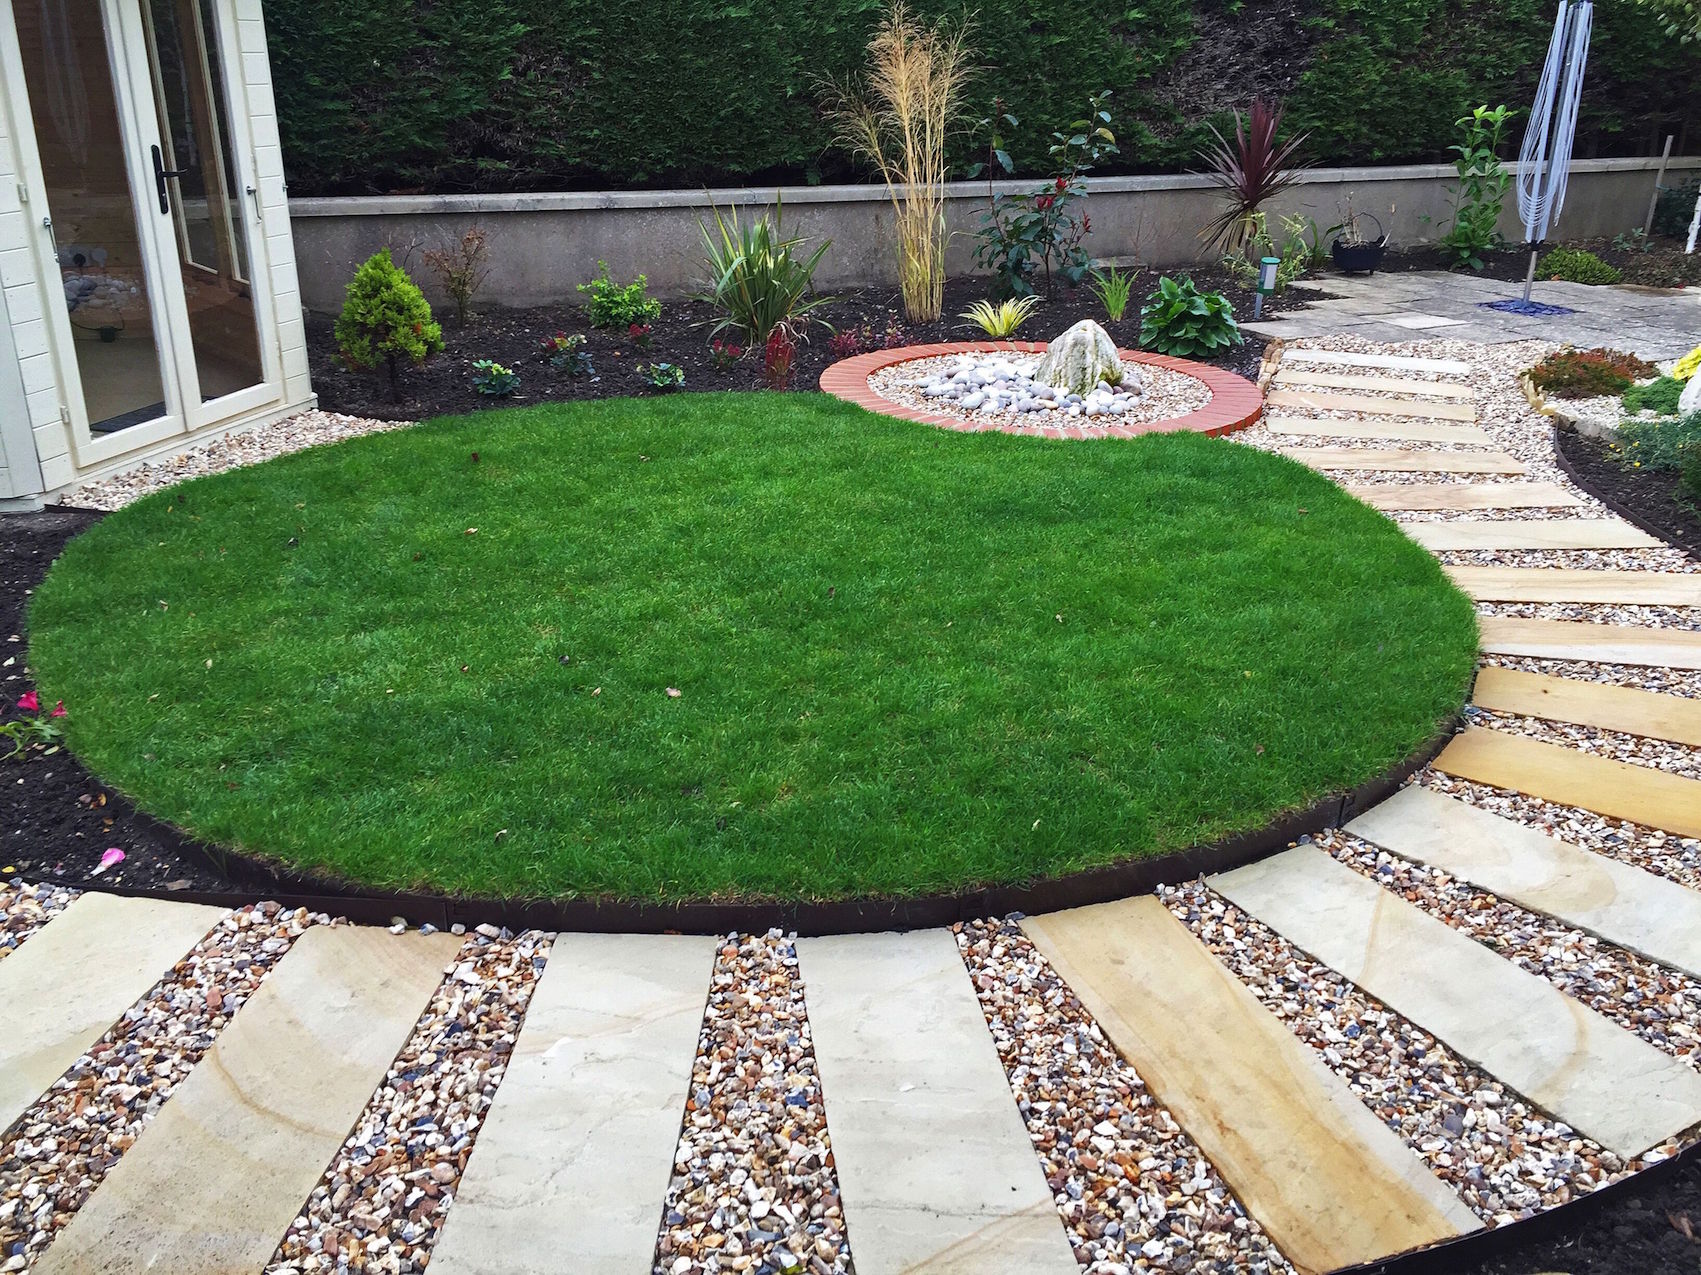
[1655,497]
[1663,264]
[681,336]
[1644,1232]
[58,820]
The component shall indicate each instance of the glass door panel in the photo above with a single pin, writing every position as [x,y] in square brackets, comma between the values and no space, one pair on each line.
[198,179]
[115,319]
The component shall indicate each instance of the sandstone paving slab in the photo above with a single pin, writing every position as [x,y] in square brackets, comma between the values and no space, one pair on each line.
[1587,1071]
[60,991]
[1598,704]
[1530,533]
[1580,640]
[1406,461]
[1411,431]
[571,1168]
[1463,496]
[1327,1180]
[1398,362]
[218,1175]
[1556,584]
[1615,901]
[1287,375]
[936,1170]
[1321,402]
[1555,773]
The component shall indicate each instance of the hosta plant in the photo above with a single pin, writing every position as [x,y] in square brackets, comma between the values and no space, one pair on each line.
[1180,320]
[999,320]
[493,380]
[665,376]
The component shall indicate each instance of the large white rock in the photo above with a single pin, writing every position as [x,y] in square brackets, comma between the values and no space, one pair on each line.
[1690,400]
[1081,358]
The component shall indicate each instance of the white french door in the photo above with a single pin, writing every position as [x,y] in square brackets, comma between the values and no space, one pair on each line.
[146,215]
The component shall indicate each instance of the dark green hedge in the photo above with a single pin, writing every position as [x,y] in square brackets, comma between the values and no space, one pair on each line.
[445,95]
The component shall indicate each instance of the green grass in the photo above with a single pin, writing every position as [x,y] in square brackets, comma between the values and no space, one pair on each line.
[908,660]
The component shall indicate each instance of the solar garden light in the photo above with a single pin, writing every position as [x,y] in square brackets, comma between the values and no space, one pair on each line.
[1266,283]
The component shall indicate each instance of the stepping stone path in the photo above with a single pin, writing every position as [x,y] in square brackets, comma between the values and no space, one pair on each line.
[1598,704]
[933,1164]
[1579,640]
[1463,496]
[1530,533]
[1430,462]
[1543,584]
[1408,431]
[1375,384]
[1371,406]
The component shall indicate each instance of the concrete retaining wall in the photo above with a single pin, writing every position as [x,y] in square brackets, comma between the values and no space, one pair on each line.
[542,245]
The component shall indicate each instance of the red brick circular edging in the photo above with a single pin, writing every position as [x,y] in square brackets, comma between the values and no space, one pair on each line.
[1235,401]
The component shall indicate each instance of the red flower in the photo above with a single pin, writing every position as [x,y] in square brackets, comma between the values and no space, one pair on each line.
[1062,182]
[1043,202]
[29,701]
[58,709]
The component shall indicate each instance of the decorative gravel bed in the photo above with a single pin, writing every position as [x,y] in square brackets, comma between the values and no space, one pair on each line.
[1667,560]
[63,1147]
[754,1188]
[1662,1006]
[384,1198]
[1134,1191]
[231,451]
[25,908]
[1506,1160]
[1163,394]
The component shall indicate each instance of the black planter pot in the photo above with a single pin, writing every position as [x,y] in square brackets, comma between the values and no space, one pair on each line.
[1358,258]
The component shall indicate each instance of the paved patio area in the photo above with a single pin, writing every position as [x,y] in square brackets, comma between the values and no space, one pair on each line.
[1655,323]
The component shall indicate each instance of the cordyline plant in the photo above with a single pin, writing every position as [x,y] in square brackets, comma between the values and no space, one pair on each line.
[1248,171]
[900,120]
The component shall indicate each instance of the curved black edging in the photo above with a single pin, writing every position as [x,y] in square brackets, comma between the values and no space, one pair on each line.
[846,916]
[1450,1256]
[1622,510]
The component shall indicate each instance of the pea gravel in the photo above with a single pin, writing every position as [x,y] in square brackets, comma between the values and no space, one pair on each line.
[384,1198]
[63,1147]
[1135,1192]
[754,1188]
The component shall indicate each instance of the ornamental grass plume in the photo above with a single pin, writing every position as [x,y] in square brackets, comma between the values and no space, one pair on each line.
[900,119]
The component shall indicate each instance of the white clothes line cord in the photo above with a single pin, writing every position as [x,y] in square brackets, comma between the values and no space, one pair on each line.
[1545,158]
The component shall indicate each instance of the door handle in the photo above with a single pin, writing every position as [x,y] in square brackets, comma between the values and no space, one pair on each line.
[161,174]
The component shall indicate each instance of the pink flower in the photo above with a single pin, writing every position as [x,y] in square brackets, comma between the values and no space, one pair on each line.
[112,856]
[29,701]
[58,709]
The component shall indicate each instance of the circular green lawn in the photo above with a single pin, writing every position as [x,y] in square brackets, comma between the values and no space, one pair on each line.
[742,646]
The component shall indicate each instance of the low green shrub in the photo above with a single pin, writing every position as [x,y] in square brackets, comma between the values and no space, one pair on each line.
[1179,320]
[1659,397]
[386,320]
[1691,473]
[1666,444]
[1589,373]
[619,305]
[1576,265]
